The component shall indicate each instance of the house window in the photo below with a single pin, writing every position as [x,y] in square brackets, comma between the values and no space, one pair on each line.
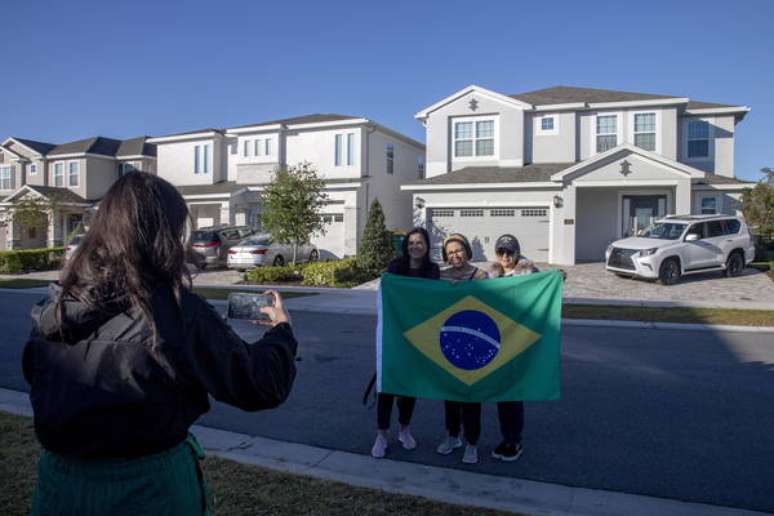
[607,132]
[206,158]
[342,153]
[201,159]
[59,174]
[6,178]
[33,169]
[267,147]
[390,150]
[709,205]
[234,148]
[421,167]
[73,168]
[474,138]
[246,149]
[125,168]
[698,139]
[645,131]
[257,148]
[547,123]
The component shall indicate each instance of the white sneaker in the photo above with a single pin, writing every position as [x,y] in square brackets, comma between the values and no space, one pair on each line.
[448,445]
[379,449]
[471,454]
[406,439]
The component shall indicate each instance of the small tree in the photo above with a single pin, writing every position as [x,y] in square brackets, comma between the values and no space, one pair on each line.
[292,205]
[758,205]
[376,246]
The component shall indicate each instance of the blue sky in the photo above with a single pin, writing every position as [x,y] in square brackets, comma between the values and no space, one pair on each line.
[121,69]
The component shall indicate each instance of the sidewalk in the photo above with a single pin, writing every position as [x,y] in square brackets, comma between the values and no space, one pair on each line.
[446,485]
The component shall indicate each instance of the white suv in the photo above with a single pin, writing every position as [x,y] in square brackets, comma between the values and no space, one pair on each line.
[678,245]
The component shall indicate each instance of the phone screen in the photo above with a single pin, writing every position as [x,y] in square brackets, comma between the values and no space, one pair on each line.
[247,306]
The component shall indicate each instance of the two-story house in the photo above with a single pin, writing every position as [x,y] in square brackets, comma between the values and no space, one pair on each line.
[221,172]
[568,170]
[69,178]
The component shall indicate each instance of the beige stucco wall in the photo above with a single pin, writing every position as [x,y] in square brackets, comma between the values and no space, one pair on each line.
[721,159]
[100,174]
[175,162]
[551,148]
[319,148]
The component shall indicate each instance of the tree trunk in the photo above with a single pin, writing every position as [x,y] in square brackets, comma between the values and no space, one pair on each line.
[295,252]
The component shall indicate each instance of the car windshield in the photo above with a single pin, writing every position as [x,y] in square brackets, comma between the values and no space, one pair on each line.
[204,236]
[262,240]
[663,231]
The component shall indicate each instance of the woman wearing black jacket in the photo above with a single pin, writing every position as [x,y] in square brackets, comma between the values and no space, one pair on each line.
[414,261]
[122,358]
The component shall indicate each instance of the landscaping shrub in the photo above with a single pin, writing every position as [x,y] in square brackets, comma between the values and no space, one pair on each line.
[339,273]
[287,273]
[376,248]
[30,259]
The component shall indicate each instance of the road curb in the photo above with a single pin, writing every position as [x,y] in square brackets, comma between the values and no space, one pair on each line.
[454,486]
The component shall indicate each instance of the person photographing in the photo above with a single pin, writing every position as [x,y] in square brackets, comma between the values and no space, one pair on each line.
[123,356]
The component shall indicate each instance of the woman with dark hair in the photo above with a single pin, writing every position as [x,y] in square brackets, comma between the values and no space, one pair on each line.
[122,358]
[414,261]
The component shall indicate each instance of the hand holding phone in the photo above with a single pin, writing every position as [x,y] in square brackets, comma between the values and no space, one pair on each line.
[266,308]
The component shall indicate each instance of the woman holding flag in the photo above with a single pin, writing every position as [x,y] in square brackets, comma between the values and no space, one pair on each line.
[414,261]
[458,253]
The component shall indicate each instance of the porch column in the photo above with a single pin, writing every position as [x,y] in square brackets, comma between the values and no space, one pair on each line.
[225,213]
[562,231]
[683,197]
[51,230]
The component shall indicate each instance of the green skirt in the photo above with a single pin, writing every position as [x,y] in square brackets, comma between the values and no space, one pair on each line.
[169,483]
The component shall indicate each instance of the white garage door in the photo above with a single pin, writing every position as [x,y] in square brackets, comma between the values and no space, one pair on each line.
[331,245]
[482,226]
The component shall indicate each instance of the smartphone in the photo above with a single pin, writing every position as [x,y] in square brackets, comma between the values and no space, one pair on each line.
[242,305]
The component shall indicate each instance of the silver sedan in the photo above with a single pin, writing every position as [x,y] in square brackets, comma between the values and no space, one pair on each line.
[260,250]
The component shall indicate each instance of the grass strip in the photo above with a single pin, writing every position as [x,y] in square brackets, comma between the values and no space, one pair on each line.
[684,315]
[238,488]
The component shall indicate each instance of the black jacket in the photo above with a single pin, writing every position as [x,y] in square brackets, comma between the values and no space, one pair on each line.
[99,388]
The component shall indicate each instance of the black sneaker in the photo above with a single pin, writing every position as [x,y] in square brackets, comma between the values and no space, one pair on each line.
[507,452]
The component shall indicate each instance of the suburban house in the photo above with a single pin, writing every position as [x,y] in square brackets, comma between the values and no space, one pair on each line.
[69,179]
[568,170]
[221,172]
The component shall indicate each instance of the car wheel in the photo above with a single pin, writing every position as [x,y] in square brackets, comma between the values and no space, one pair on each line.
[669,273]
[734,265]
[279,261]
[314,255]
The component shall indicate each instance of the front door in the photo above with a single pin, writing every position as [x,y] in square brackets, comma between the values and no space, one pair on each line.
[640,211]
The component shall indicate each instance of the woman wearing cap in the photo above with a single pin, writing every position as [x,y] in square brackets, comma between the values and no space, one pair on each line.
[457,253]
[510,413]
[414,261]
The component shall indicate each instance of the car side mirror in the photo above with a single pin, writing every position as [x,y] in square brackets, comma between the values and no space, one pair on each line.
[691,237]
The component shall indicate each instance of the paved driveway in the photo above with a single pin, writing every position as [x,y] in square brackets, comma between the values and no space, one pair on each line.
[592,281]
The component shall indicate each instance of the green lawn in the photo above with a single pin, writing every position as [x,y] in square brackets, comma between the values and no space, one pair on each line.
[670,314]
[238,489]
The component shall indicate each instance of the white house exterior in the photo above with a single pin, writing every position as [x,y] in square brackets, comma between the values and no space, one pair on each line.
[221,172]
[568,170]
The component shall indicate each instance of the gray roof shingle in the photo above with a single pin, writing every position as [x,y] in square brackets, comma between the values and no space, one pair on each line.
[93,145]
[712,179]
[136,147]
[532,173]
[39,147]
[61,194]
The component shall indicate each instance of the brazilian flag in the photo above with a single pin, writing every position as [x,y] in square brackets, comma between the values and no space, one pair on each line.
[485,340]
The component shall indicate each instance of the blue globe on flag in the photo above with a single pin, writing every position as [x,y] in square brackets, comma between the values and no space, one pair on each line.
[470,339]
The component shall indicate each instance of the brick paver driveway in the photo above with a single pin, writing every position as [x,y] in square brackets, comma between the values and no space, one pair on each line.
[592,281]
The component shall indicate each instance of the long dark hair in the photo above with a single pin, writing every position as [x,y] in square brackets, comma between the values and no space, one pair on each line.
[404,260]
[136,244]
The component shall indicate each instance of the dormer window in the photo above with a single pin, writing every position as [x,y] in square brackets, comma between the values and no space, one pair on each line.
[201,159]
[59,175]
[6,178]
[474,138]
[32,169]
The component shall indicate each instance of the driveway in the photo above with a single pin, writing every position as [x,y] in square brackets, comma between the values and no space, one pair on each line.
[592,281]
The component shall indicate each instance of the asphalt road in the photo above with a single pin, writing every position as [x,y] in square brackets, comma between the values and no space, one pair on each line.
[683,415]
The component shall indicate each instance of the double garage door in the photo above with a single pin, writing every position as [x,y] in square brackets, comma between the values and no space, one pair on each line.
[482,227]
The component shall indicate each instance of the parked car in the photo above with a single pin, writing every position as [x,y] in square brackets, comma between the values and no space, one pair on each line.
[261,249]
[213,243]
[72,246]
[678,245]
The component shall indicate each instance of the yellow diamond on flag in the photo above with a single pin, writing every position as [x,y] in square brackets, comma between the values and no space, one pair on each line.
[470,339]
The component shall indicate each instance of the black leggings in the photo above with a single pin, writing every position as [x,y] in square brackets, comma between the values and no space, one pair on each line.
[511,416]
[384,410]
[467,415]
